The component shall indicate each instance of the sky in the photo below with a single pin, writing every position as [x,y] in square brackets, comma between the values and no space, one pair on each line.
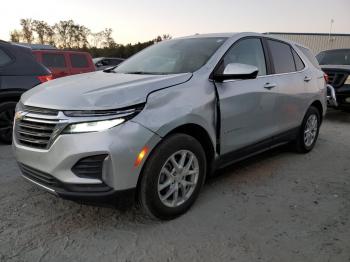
[142,20]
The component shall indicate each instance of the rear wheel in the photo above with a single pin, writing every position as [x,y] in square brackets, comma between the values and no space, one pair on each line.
[7,114]
[309,130]
[172,177]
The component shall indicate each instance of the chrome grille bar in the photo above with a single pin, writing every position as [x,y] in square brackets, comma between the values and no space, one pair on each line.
[36,130]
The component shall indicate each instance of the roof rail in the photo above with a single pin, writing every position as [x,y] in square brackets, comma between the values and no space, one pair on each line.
[36,46]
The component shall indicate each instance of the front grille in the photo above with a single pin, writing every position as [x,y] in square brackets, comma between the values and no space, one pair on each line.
[89,167]
[35,132]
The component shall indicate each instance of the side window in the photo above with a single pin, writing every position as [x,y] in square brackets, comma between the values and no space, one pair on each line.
[310,56]
[298,62]
[247,51]
[54,60]
[4,58]
[106,62]
[282,57]
[79,61]
[115,62]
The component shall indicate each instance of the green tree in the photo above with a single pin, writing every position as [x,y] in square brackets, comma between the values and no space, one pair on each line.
[16,36]
[161,38]
[63,30]
[27,30]
[69,35]
[42,29]
[108,39]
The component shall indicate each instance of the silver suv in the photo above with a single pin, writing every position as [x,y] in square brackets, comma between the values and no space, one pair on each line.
[164,119]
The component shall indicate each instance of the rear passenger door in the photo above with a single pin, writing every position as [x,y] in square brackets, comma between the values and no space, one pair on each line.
[290,76]
[79,63]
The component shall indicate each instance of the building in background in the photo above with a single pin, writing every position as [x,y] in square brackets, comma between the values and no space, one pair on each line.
[317,42]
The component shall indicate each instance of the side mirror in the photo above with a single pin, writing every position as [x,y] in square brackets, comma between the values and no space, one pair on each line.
[237,71]
[99,64]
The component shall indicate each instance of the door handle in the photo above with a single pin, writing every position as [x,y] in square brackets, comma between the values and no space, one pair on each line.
[269,86]
[307,78]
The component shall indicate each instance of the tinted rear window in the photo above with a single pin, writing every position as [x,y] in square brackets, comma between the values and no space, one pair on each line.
[79,61]
[54,60]
[282,57]
[334,57]
[309,56]
[4,58]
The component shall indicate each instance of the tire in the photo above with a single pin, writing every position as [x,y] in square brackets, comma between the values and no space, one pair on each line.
[7,114]
[159,171]
[305,143]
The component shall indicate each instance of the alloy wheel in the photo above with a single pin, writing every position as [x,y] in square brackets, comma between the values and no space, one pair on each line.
[310,131]
[178,178]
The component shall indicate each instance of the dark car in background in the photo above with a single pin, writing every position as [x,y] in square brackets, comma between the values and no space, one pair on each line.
[336,64]
[102,63]
[64,62]
[19,72]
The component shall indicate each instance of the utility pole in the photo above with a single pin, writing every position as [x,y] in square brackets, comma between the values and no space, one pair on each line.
[330,33]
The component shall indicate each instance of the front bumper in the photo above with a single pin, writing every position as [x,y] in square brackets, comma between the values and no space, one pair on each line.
[121,144]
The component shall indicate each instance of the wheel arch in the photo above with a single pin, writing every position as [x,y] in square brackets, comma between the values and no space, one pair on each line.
[199,133]
[11,96]
[318,105]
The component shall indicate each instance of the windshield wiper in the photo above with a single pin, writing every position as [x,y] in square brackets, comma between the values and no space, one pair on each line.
[144,73]
[110,69]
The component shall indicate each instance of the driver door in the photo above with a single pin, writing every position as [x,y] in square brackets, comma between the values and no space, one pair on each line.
[248,107]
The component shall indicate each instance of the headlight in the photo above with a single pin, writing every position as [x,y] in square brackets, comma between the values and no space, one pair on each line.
[347,81]
[120,116]
[96,126]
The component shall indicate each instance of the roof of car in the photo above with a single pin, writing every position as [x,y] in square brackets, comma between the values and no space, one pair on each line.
[59,51]
[242,34]
[107,57]
[210,35]
[338,49]
[36,46]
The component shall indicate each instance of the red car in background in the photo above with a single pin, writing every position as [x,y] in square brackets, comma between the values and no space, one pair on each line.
[63,63]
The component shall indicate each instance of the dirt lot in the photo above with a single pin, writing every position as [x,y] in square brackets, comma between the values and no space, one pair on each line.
[279,206]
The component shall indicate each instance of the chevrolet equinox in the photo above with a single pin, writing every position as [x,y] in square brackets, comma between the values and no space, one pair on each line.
[164,119]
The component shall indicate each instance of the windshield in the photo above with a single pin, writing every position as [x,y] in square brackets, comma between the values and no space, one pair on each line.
[172,57]
[334,57]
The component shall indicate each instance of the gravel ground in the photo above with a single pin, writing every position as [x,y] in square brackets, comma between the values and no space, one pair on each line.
[279,206]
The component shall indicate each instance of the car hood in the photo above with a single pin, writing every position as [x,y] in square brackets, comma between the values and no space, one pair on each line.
[99,90]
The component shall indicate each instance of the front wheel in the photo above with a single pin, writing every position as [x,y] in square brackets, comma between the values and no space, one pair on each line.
[7,114]
[172,177]
[309,130]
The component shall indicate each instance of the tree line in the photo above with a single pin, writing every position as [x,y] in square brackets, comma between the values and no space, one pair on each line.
[70,35]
